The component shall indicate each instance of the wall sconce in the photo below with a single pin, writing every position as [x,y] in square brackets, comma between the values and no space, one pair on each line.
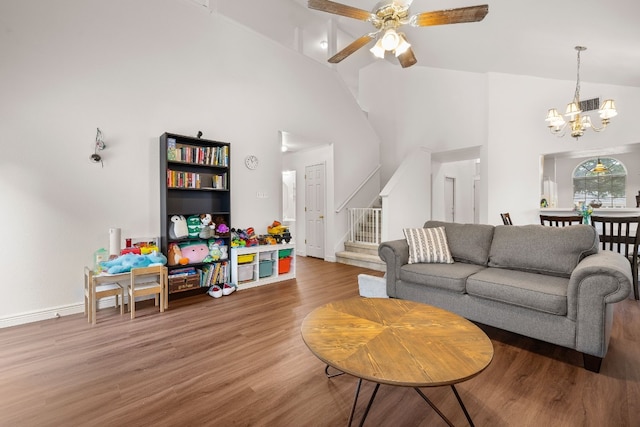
[95,157]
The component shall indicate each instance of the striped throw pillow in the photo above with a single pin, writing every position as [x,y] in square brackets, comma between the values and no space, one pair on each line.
[428,245]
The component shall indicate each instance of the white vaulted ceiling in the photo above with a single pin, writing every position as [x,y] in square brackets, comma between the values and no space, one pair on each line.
[524,37]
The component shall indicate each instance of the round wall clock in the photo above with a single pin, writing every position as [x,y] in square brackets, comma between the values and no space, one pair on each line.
[251,162]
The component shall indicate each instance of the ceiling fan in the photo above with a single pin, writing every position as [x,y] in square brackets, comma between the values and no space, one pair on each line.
[387,17]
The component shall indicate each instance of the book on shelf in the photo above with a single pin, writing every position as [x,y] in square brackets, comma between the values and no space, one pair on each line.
[208,156]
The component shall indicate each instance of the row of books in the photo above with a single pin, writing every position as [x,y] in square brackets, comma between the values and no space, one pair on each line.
[217,273]
[180,179]
[210,156]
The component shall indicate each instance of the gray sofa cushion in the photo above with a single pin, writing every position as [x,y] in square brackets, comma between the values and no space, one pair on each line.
[451,277]
[530,290]
[553,251]
[468,243]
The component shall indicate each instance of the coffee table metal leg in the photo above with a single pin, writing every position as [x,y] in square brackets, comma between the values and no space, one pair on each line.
[366,411]
[355,401]
[426,399]
[326,372]
[466,414]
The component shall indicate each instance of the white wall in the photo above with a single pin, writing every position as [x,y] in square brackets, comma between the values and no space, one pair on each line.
[518,136]
[504,114]
[136,70]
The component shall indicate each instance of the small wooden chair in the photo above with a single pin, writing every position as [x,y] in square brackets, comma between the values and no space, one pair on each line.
[156,287]
[621,234]
[560,221]
[95,288]
[506,218]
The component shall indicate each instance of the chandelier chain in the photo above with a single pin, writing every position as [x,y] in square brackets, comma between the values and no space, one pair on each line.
[576,96]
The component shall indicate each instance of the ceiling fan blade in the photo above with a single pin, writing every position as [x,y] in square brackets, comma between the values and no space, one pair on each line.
[355,45]
[340,9]
[407,58]
[450,16]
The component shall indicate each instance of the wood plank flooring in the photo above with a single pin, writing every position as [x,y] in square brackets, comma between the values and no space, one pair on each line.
[240,361]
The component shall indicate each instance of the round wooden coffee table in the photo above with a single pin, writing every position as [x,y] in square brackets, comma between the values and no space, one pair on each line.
[397,342]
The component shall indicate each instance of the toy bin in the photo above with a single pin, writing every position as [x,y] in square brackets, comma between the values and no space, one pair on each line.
[284,265]
[266,268]
[283,253]
[245,272]
[265,255]
[243,259]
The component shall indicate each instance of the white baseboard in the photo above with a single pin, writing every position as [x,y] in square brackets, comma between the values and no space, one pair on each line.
[35,316]
[54,312]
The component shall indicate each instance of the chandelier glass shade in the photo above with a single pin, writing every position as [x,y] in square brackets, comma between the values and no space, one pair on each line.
[578,123]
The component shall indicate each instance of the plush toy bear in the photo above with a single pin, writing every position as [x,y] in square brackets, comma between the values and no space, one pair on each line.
[178,228]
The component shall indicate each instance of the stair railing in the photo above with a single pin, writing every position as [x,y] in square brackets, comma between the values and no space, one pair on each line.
[364,225]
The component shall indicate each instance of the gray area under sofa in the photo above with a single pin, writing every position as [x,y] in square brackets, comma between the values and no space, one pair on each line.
[548,283]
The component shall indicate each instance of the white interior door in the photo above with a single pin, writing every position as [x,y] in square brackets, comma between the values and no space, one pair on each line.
[314,210]
[449,199]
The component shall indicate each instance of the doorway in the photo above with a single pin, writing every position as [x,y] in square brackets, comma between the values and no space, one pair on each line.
[449,199]
[315,210]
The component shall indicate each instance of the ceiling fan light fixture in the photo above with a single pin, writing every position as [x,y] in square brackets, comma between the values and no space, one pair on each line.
[377,50]
[402,46]
[390,40]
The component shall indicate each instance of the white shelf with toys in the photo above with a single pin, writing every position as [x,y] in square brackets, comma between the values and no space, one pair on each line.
[262,264]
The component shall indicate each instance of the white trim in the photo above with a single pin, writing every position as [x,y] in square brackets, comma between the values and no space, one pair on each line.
[36,316]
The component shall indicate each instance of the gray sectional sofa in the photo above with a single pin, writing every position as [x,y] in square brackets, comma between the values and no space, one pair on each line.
[548,283]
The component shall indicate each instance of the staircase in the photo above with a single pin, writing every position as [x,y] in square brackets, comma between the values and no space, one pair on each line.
[362,255]
[364,238]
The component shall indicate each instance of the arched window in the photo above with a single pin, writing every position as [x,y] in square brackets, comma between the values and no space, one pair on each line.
[607,187]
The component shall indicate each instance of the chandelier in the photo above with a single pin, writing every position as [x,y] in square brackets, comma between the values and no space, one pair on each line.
[578,122]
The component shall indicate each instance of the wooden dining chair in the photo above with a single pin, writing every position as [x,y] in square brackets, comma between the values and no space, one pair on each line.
[148,281]
[560,221]
[506,218]
[620,234]
[95,289]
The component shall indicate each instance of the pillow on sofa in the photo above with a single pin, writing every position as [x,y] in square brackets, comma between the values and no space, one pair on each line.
[469,243]
[428,245]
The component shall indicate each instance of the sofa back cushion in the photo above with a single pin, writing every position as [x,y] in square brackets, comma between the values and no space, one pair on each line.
[541,249]
[468,243]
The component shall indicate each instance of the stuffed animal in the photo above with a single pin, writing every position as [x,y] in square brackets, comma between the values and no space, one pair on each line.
[195,251]
[207,226]
[124,263]
[222,229]
[178,228]
[193,225]
[175,255]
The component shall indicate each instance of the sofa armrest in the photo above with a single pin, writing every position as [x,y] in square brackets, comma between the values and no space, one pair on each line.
[396,254]
[596,283]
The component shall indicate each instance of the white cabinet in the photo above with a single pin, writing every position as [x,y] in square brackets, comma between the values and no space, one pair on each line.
[260,265]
